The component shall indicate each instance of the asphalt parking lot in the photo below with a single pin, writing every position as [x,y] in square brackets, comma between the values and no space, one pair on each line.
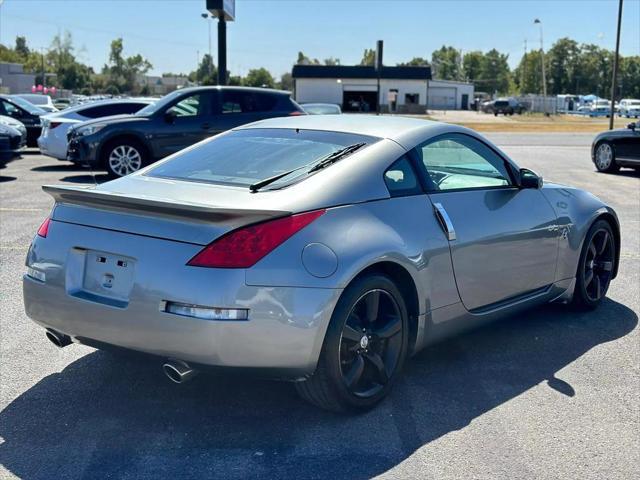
[548,394]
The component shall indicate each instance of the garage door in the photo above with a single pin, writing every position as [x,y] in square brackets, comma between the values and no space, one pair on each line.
[442,98]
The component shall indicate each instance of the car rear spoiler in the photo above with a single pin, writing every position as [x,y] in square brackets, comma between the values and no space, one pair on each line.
[157,207]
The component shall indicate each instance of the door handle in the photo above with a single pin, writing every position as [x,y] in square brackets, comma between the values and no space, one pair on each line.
[445,221]
[205,126]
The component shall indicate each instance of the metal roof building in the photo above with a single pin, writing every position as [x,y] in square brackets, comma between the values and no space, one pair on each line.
[354,88]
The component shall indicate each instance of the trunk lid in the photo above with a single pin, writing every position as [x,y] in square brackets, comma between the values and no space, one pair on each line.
[177,214]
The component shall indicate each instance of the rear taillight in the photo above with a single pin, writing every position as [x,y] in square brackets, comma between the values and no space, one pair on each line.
[296,113]
[244,247]
[53,125]
[44,228]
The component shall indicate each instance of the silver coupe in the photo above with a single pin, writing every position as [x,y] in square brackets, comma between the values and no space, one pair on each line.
[319,249]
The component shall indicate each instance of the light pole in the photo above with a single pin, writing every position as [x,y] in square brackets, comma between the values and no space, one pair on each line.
[615,68]
[207,17]
[544,75]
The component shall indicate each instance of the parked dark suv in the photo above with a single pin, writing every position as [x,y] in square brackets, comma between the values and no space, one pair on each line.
[507,106]
[124,144]
[25,112]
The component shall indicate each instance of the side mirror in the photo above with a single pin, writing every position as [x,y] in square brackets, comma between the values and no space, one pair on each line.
[529,179]
[631,126]
[170,116]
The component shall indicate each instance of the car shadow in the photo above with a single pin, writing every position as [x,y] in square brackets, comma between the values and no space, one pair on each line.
[4,178]
[61,167]
[109,416]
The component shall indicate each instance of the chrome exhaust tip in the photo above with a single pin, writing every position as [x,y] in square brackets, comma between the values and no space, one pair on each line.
[60,340]
[178,371]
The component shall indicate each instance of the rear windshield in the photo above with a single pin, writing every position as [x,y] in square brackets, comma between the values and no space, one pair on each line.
[244,157]
[502,103]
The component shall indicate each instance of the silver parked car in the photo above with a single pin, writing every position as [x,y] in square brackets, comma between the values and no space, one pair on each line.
[323,250]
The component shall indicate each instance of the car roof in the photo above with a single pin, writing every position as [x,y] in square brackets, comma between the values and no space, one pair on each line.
[402,130]
[234,88]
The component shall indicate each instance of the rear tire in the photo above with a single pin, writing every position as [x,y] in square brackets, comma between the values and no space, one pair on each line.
[605,158]
[595,266]
[123,157]
[364,348]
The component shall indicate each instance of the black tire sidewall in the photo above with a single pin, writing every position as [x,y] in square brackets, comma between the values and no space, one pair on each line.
[581,299]
[331,347]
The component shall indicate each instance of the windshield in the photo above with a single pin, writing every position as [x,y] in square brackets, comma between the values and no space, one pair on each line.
[37,99]
[29,107]
[244,157]
[321,109]
[160,104]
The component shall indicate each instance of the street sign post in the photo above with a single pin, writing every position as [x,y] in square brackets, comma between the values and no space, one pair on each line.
[225,10]
[378,67]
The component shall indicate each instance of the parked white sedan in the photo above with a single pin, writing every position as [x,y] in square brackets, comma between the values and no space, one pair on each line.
[53,140]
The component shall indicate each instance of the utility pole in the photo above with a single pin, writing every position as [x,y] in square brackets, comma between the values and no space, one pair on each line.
[615,68]
[222,50]
[524,67]
[544,76]
[208,19]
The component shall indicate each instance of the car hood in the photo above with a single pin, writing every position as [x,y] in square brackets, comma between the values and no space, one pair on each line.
[12,122]
[617,133]
[115,119]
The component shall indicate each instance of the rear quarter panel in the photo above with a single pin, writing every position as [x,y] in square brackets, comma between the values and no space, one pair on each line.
[401,230]
[576,210]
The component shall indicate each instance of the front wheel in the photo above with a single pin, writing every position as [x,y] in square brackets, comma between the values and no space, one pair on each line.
[364,348]
[123,158]
[595,266]
[605,158]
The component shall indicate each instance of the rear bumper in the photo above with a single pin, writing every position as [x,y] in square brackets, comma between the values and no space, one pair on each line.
[282,337]
[52,148]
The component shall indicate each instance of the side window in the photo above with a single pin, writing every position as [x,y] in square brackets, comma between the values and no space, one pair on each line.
[400,178]
[11,110]
[247,102]
[188,107]
[98,111]
[462,162]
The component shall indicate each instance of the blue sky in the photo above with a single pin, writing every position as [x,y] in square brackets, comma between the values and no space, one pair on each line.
[270,33]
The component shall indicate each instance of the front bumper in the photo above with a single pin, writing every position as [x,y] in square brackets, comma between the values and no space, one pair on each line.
[282,337]
[83,150]
[12,144]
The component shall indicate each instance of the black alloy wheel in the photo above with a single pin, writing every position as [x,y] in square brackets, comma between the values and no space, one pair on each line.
[364,348]
[596,266]
[371,343]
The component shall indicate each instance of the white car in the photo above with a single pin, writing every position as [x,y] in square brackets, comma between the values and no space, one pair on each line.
[39,100]
[53,140]
[629,107]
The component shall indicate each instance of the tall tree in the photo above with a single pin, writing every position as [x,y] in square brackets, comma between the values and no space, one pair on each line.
[472,65]
[286,82]
[21,47]
[495,71]
[259,77]
[528,73]
[446,63]
[122,71]
[207,73]
[368,57]
[415,62]
[304,60]
[562,64]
